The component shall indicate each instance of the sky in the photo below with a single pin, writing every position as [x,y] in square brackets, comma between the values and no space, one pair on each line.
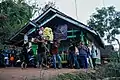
[85,8]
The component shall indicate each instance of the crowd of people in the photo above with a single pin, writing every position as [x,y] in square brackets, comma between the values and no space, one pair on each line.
[7,56]
[78,55]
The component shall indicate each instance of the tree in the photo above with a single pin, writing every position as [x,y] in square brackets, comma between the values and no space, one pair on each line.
[107,22]
[49,4]
[45,7]
[13,15]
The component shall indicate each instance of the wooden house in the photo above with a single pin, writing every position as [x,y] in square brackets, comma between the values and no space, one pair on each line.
[53,18]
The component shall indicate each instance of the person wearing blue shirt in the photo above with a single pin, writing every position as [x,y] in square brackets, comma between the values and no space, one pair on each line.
[83,55]
[6,56]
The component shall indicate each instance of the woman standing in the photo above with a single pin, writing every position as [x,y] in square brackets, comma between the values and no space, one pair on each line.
[94,56]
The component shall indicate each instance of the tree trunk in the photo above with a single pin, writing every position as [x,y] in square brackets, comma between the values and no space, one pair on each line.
[119,48]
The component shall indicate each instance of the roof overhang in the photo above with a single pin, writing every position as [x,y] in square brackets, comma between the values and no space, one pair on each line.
[50,15]
[95,34]
[19,36]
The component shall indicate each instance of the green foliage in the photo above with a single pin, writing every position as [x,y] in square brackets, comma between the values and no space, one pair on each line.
[114,57]
[106,20]
[49,4]
[13,15]
[105,72]
[73,76]
[109,71]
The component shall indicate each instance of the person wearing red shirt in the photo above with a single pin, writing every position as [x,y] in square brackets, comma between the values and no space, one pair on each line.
[56,55]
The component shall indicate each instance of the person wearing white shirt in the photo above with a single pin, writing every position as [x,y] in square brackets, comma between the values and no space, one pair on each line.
[94,55]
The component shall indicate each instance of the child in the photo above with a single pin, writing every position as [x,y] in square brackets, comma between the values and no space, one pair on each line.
[12,60]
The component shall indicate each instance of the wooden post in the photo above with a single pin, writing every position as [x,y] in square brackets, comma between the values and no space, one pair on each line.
[82,37]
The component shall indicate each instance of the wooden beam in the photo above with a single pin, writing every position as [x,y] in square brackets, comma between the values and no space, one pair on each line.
[73,36]
[22,33]
[73,31]
[19,42]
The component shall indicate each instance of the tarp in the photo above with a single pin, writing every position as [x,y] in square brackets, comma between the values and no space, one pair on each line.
[61,32]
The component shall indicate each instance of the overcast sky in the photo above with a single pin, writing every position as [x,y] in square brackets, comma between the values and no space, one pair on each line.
[85,8]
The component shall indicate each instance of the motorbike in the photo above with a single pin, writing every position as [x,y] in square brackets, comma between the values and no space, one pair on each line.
[32,61]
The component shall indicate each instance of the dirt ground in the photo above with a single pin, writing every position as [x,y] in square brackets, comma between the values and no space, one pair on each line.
[32,73]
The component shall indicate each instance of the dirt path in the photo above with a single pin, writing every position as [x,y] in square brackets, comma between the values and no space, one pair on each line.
[31,73]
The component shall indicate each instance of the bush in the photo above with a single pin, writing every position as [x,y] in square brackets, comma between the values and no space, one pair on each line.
[73,76]
[108,70]
[114,57]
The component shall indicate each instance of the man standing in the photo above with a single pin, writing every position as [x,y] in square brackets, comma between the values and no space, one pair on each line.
[73,56]
[83,55]
[56,55]
[6,56]
[41,54]
[25,58]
